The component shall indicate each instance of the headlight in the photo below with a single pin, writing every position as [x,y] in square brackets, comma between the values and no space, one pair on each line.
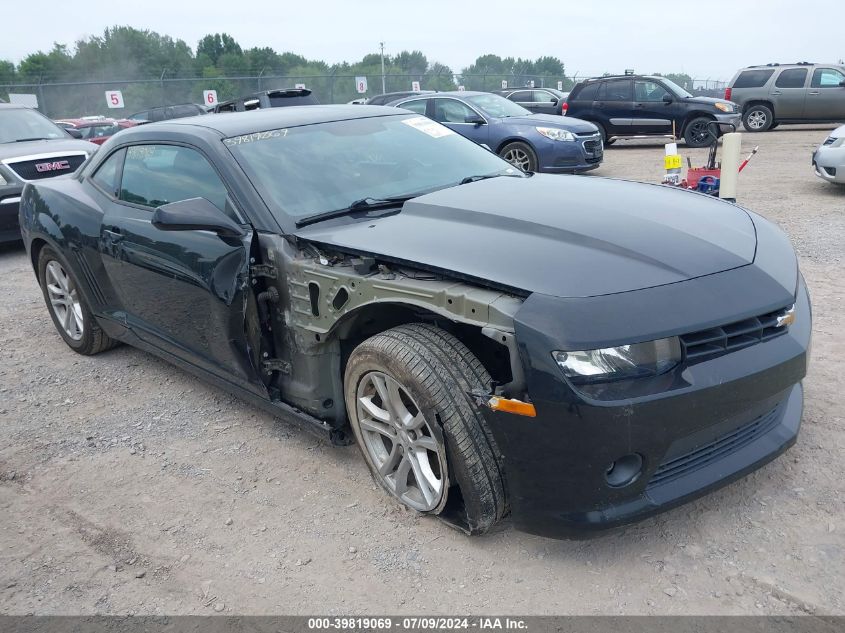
[615,363]
[724,107]
[556,134]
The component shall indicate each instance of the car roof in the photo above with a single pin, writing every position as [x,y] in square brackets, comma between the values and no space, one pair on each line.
[239,123]
[14,106]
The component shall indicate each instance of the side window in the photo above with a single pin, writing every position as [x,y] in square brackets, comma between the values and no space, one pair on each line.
[618,90]
[379,100]
[140,116]
[522,96]
[541,96]
[451,111]
[649,91]
[791,78]
[156,114]
[827,78]
[417,106]
[154,175]
[753,78]
[106,175]
[588,93]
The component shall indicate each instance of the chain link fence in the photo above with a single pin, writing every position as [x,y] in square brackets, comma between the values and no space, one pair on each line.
[57,98]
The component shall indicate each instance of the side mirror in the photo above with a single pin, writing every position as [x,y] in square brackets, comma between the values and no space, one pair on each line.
[74,132]
[553,100]
[195,214]
[667,98]
[474,119]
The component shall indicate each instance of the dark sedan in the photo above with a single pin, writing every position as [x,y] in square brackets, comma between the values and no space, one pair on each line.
[538,100]
[579,352]
[532,142]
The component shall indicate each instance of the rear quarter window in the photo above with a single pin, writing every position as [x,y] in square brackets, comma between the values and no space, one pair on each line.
[588,92]
[753,78]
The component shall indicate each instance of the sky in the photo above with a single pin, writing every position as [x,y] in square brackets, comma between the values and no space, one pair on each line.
[705,40]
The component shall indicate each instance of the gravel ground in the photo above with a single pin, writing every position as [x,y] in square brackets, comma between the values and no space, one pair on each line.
[128,486]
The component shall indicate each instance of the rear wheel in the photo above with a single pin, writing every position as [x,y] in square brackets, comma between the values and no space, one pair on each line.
[71,315]
[421,435]
[757,118]
[699,132]
[520,155]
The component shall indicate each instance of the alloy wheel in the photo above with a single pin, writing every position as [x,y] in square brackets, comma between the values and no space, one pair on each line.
[757,120]
[64,300]
[518,158]
[407,458]
[700,132]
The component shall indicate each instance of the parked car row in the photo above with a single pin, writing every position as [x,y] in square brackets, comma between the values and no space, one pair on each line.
[96,130]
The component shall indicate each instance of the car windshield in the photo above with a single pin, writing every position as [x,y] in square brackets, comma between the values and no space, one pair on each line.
[497,106]
[24,125]
[680,92]
[312,169]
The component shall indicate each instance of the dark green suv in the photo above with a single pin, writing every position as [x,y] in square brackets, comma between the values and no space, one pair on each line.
[788,93]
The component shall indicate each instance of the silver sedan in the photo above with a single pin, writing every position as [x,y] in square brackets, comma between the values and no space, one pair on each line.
[829,158]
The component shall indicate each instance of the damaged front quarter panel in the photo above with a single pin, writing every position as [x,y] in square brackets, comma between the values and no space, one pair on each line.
[329,301]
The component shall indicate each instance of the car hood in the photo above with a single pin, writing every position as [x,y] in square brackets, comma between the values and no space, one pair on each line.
[566,236]
[572,124]
[48,146]
[709,101]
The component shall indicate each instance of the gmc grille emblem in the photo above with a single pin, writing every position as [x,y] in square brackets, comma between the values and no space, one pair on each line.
[54,166]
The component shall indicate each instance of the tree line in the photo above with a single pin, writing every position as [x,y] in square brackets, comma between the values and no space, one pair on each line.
[153,69]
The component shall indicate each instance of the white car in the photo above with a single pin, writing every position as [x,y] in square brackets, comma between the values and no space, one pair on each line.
[829,158]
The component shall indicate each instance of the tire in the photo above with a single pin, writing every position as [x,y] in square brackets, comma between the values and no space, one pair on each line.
[757,118]
[67,307]
[426,374]
[520,155]
[697,133]
[605,141]
[773,126]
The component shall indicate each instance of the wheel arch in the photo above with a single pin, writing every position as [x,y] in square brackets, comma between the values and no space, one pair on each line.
[516,139]
[375,317]
[691,116]
[755,102]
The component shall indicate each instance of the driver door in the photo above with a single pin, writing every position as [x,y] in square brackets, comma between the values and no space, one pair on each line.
[453,114]
[651,114]
[186,292]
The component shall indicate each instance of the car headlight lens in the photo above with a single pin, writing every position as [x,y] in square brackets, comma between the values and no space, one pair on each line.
[615,363]
[556,134]
[724,107]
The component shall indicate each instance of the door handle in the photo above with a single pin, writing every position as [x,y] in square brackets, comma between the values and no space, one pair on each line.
[113,234]
[638,105]
[776,92]
[813,92]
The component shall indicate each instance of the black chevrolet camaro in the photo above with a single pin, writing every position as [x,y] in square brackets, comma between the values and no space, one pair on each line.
[576,352]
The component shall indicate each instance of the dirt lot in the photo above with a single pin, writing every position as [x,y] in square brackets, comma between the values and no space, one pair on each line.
[127,486]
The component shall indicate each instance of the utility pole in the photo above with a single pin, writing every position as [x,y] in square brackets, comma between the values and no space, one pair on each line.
[383,88]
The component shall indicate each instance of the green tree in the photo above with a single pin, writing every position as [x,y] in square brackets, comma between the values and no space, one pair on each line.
[218,44]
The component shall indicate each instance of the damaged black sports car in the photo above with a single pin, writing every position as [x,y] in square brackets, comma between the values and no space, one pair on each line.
[576,352]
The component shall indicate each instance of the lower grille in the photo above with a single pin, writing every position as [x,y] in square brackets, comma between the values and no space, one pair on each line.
[717,449]
[592,146]
[41,167]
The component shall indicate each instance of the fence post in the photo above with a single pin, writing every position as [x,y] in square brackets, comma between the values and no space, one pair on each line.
[42,104]
[161,82]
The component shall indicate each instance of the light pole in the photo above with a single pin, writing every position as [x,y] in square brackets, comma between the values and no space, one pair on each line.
[383,88]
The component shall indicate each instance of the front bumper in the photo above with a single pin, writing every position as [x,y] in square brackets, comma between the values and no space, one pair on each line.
[10,197]
[829,164]
[727,120]
[583,154]
[696,428]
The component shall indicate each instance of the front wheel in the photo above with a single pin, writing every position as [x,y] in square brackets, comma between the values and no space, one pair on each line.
[520,155]
[68,309]
[699,132]
[421,434]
